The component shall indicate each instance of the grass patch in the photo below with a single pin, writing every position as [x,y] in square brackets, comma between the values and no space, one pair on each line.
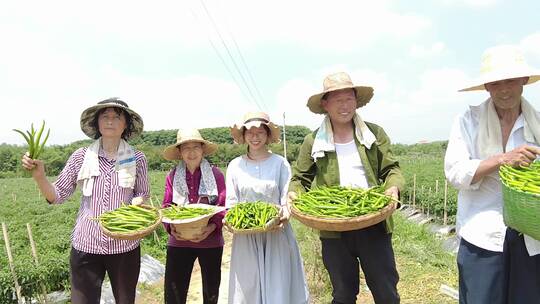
[423,265]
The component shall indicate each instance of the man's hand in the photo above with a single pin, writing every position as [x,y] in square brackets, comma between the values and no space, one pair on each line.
[392,192]
[523,155]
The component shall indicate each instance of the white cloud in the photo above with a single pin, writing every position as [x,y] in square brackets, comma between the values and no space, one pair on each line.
[422,51]
[531,48]
[472,3]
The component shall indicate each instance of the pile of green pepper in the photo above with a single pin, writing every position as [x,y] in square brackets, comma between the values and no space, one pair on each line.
[526,179]
[174,212]
[128,219]
[341,202]
[251,215]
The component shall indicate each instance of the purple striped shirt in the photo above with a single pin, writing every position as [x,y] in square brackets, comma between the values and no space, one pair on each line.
[106,195]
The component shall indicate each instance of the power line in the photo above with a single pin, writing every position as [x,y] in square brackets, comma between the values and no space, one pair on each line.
[230,55]
[222,59]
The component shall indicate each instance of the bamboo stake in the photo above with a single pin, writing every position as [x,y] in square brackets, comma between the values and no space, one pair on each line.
[436,186]
[156,238]
[36,261]
[445,198]
[414,192]
[10,260]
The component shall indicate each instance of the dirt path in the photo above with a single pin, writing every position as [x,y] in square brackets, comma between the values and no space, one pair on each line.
[154,294]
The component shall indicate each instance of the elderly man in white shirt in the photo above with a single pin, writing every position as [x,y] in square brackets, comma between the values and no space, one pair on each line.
[504,129]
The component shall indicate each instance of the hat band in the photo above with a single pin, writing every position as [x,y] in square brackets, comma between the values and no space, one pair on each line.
[256,119]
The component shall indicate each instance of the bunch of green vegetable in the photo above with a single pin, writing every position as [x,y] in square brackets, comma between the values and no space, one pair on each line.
[175,212]
[251,215]
[341,202]
[128,219]
[526,179]
[33,138]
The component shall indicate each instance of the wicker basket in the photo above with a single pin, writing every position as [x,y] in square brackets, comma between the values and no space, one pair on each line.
[189,228]
[270,225]
[136,235]
[344,224]
[521,211]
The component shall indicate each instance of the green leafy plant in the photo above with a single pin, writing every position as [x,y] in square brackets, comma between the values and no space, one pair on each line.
[33,138]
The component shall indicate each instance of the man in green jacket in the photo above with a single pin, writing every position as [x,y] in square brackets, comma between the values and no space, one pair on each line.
[347,151]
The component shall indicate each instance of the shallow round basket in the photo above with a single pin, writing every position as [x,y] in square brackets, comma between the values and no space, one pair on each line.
[521,211]
[344,224]
[136,235]
[270,225]
[189,228]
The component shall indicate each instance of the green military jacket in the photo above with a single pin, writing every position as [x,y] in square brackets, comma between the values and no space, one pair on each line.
[379,163]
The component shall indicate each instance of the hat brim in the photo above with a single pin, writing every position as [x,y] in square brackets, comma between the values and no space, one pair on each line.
[363,96]
[238,136]
[173,153]
[88,116]
[534,76]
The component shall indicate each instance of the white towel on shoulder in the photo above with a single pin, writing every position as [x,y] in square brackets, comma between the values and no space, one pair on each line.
[489,142]
[126,166]
[489,134]
[324,139]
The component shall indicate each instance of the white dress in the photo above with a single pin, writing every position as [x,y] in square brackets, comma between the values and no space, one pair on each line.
[266,268]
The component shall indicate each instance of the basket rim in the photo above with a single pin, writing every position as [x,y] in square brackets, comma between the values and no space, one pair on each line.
[254,230]
[217,209]
[345,224]
[136,234]
[518,190]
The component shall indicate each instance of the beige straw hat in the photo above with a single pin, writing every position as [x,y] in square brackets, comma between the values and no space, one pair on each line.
[502,62]
[255,119]
[188,135]
[335,82]
[88,116]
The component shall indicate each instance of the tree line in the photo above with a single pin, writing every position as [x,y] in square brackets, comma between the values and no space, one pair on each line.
[151,143]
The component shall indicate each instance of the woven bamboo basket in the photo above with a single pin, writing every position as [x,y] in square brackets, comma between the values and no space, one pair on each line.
[189,228]
[521,211]
[270,225]
[344,224]
[136,235]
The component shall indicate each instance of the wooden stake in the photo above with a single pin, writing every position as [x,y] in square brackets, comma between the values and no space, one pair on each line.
[156,237]
[436,186]
[36,261]
[10,260]
[445,198]
[414,191]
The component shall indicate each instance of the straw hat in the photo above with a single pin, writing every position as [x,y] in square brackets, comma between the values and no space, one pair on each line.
[502,62]
[88,116]
[255,119]
[335,82]
[188,135]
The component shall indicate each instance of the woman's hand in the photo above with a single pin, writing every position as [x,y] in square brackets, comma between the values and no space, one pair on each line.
[205,233]
[139,200]
[284,215]
[176,234]
[35,165]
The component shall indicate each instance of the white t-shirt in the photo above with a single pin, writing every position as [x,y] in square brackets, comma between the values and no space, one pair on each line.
[351,170]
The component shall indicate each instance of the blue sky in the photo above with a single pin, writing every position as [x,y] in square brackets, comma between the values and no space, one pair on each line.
[59,57]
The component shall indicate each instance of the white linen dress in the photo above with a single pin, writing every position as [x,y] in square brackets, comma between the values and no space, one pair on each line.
[266,268]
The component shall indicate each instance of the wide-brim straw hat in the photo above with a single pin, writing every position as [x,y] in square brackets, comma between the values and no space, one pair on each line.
[255,119]
[188,135]
[88,116]
[502,62]
[335,82]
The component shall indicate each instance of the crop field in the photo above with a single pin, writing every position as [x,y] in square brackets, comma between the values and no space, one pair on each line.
[51,225]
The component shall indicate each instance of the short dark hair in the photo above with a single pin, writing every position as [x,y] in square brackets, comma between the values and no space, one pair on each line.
[129,121]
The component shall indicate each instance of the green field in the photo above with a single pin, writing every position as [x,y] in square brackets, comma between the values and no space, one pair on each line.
[422,263]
